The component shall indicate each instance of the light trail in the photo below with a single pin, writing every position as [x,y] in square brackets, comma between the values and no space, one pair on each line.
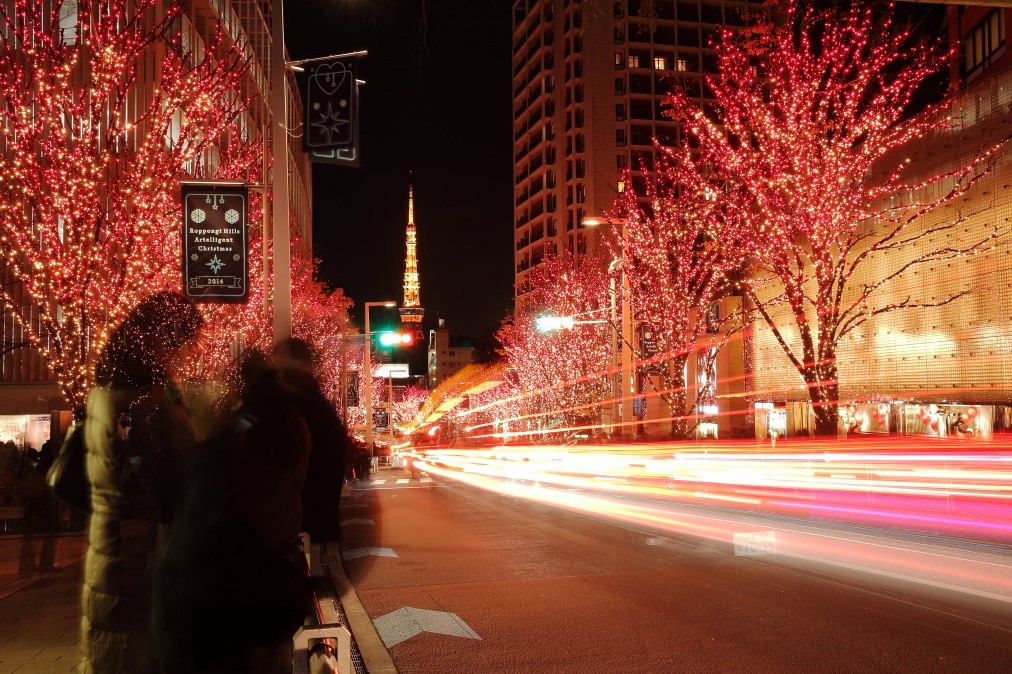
[942,518]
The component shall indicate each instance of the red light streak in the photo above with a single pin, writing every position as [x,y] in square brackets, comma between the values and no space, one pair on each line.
[942,518]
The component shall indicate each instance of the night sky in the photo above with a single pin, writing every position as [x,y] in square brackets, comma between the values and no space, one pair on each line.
[437,102]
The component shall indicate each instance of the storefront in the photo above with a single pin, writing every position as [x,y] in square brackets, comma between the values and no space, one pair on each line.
[25,430]
[26,412]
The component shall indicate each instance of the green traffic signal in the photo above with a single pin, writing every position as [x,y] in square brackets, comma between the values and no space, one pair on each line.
[390,339]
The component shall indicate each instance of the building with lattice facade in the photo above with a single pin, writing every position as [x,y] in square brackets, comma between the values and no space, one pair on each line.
[943,370]
[27,385]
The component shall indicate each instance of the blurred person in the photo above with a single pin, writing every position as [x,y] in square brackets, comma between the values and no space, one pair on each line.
[132,415]
[232,586]
[321,494]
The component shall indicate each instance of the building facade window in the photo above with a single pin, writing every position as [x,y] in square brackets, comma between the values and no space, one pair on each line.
[983,42]
[660,63]
[620,137]
[633,61]
[619,85]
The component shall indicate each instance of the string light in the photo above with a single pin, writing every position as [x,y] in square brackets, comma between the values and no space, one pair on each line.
[807,108]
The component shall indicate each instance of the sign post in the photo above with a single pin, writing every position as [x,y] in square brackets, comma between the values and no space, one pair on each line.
[215,243]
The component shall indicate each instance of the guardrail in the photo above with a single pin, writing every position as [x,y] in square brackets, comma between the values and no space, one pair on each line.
[320,647]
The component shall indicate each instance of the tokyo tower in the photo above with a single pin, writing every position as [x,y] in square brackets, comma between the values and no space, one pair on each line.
[411,309]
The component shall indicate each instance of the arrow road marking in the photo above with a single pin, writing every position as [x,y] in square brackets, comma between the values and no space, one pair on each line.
[355,553]
[407,622]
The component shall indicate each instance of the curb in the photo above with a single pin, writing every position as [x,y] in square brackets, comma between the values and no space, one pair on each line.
[375,655]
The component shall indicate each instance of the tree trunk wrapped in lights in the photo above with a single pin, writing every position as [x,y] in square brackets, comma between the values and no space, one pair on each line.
[681,257]
[564,373]
[91,158]
[809,125]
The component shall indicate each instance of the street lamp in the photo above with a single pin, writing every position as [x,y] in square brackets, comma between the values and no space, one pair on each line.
[280,228]
[367,373]
[627,382]
[281,235]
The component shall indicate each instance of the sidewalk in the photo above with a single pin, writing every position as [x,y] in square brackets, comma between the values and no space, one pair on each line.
[40,610]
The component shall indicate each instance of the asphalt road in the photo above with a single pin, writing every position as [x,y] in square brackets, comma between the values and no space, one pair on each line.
[460,580]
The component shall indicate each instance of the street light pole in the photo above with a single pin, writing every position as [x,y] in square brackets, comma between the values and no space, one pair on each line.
[624,353]
[280,227]
[367,373]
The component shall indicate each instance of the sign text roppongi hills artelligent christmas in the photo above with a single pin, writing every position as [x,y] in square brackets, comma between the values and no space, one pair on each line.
[215,243]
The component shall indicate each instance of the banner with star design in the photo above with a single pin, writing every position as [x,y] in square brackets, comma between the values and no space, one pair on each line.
[331,113]
[215,243]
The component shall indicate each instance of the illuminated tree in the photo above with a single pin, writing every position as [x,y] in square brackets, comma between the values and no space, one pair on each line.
[565,372]
[319,316]
[407,407]
[809,125]
[680,258]
[91,156]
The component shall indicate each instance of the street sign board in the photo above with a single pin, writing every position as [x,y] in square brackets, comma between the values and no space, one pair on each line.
[331,114]
[215,239]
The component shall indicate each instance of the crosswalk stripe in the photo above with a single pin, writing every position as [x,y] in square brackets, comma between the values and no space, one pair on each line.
[403,481]
[379,481]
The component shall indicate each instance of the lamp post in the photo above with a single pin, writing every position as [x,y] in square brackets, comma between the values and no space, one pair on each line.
[281,235]
[627,380]
[280,227]
[367,372]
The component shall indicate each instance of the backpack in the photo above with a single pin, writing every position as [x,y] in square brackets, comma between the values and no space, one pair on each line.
[67,477]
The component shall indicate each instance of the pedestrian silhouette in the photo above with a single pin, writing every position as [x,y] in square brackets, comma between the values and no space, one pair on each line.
[231,586]
[321,494]
[134,369]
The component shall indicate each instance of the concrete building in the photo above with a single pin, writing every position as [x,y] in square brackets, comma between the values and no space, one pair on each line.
[588,82]
[28,390]
[445,357]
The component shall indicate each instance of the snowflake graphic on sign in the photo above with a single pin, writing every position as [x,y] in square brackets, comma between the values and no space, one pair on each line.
[215,264]
[198,215]
[231,216]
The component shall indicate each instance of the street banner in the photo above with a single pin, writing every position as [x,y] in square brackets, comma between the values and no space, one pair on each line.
[215,243]
[352,390]
[331,114]
[649,348]
[713,319]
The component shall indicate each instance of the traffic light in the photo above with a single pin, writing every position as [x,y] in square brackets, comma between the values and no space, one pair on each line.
[391,339]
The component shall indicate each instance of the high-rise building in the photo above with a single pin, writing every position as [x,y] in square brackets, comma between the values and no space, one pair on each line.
[411,309]
[589,80]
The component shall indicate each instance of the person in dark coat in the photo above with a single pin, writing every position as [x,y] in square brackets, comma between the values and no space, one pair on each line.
[293,359]
[232,586]
[135,365]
